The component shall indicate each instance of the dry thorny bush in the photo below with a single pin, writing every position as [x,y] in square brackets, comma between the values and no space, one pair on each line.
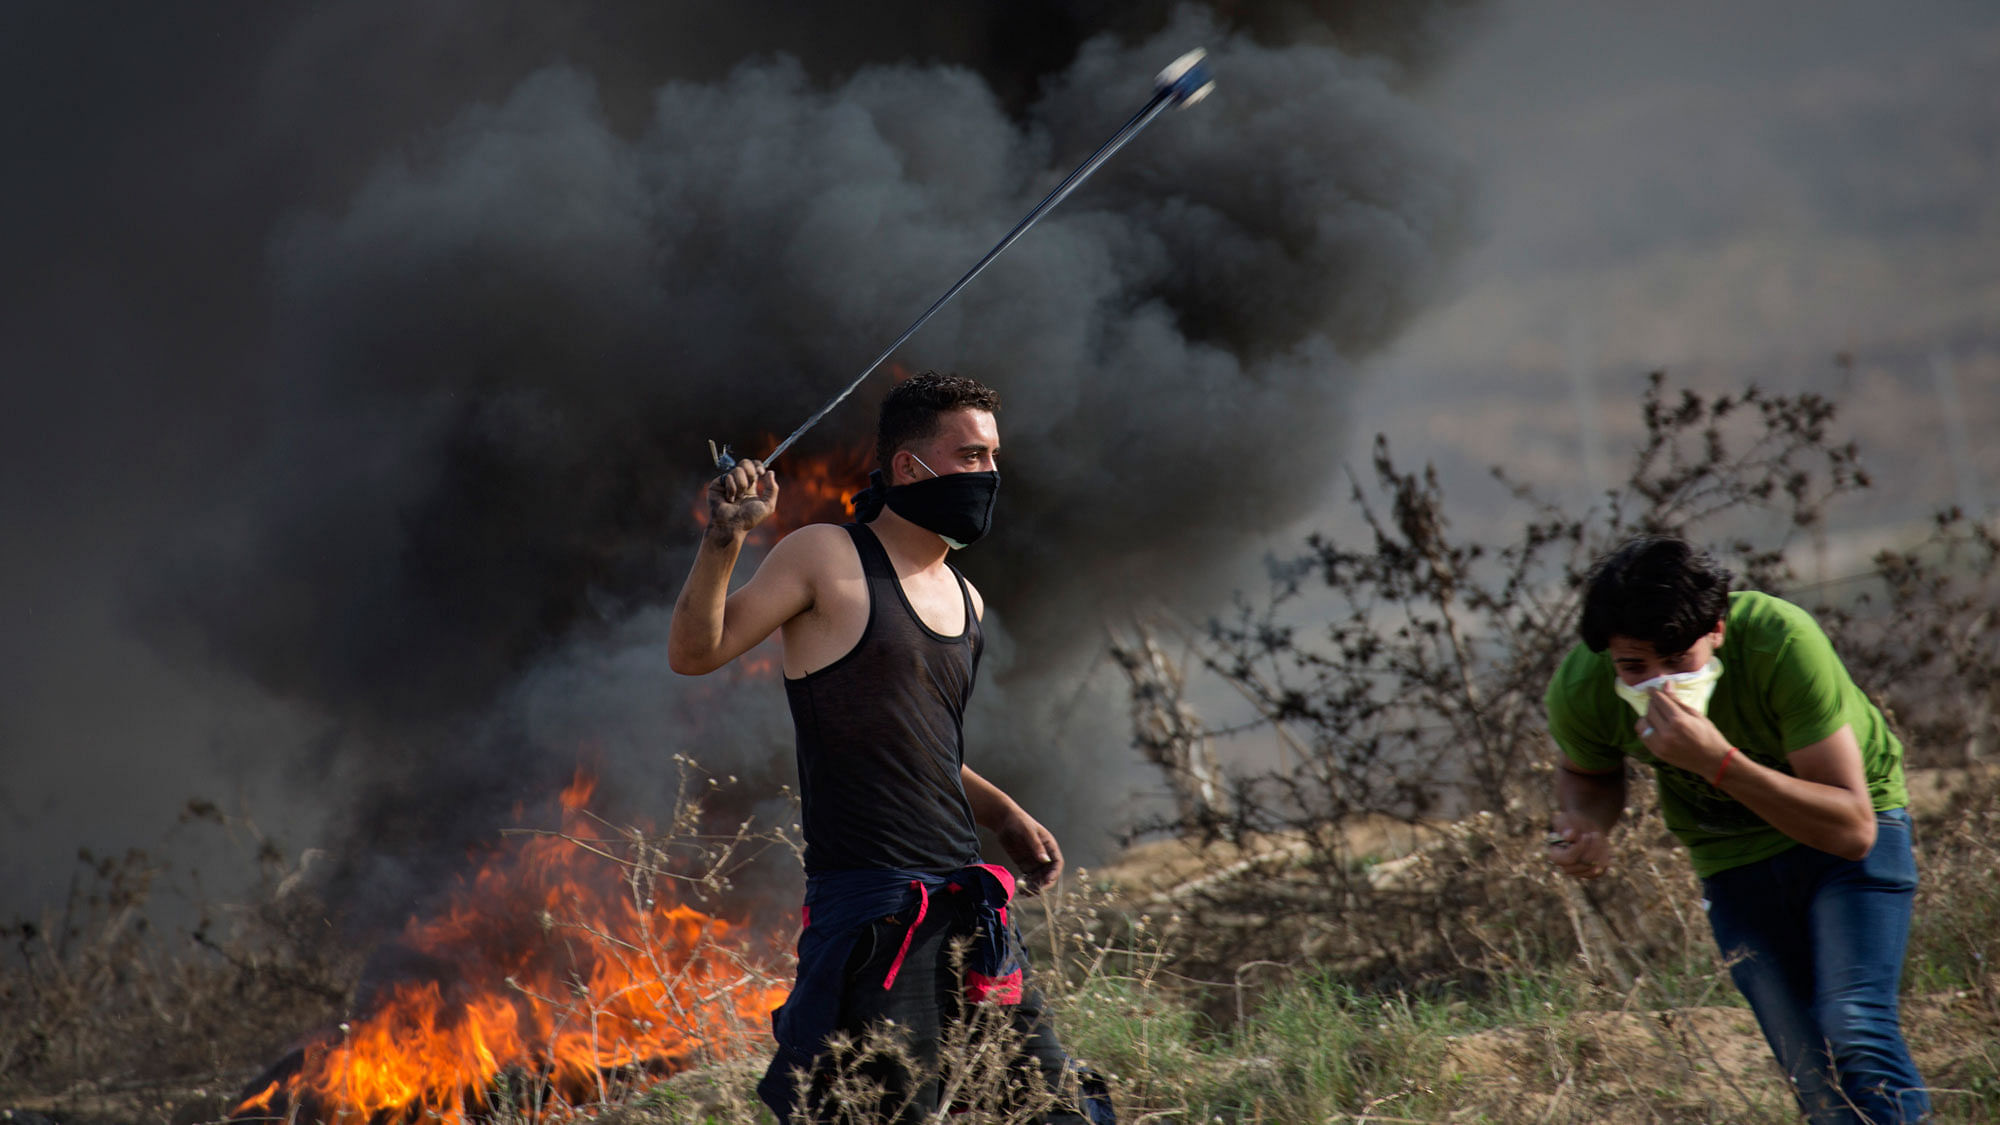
[1416,703]
[95,998]
[1405,677]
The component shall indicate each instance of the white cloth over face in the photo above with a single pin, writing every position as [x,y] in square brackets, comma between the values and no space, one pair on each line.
[1692,688]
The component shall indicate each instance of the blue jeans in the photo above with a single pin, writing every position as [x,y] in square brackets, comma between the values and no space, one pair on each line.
[1818,946]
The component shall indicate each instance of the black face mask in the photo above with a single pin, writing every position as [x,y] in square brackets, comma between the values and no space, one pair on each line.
[958,507]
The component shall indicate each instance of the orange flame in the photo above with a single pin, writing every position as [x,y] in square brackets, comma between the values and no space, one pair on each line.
[554,963]
[813,488]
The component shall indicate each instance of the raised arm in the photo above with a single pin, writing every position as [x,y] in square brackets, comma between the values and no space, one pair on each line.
[711,626]
[1032,847]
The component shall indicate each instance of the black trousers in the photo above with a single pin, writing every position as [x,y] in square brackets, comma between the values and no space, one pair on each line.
[918,1009]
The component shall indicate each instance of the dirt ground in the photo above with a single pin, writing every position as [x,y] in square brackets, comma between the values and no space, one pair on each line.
[1692,1064]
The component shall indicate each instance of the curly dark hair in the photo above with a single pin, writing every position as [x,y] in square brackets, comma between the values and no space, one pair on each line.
[910,413]
[1656,589]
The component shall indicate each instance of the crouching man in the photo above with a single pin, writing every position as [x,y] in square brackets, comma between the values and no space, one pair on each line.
[1786,786]
[881,644]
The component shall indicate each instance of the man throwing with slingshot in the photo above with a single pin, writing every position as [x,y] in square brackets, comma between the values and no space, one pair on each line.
[881,644]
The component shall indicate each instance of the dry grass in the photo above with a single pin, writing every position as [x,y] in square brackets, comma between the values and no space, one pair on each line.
[1338,952]
[1541,1003]
[103,1017]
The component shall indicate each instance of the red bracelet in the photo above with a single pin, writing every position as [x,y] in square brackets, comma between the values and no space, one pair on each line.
[1723,768]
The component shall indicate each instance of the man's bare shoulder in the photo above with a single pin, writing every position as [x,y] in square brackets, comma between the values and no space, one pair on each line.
[816,550]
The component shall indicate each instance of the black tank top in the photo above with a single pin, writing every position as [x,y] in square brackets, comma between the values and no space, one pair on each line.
[881,736]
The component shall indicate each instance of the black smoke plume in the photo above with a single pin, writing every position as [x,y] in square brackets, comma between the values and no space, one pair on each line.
[492,280]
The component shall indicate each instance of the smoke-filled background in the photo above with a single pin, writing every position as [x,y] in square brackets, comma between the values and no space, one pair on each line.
[360,356]
[371,350]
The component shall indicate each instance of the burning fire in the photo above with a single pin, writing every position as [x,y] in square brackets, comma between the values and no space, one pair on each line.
[551,962]
[760,663]
[812,489]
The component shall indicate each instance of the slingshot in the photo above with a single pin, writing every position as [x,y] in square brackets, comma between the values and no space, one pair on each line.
[1184,82]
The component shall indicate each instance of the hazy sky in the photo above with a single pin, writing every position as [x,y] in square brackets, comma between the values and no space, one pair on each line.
[1730,190]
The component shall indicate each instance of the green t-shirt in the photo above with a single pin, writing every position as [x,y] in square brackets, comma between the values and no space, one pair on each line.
[1782,689]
